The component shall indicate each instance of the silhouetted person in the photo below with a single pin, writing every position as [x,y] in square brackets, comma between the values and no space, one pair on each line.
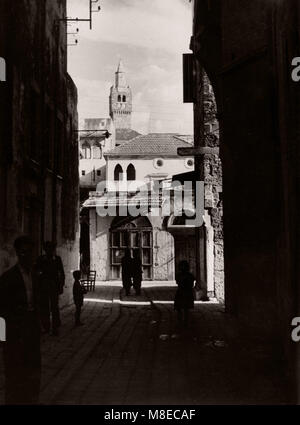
[78,295]
[137,272]
[184,298]
[127,271]
[52,280]
[19,307]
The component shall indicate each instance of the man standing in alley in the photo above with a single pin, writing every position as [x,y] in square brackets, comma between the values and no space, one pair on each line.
[19,295]
[137,272]
[52,280]
[127,271]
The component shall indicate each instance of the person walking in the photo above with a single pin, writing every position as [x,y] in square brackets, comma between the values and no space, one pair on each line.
[184,298]
[127,271]
[137,272]
[19,296]
[52,280]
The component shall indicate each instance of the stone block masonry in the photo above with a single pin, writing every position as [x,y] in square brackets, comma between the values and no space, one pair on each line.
[39,184]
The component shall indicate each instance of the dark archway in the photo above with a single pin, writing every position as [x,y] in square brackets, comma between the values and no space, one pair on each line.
[118,173]
[251,164]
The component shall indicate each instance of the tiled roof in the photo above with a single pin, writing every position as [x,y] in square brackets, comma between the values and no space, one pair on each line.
[125,134]
[154,144]
[186,137]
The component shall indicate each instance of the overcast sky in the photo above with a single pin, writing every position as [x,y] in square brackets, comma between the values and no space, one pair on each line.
[150,37]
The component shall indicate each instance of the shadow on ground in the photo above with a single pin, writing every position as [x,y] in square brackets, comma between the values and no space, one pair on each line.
[132,350]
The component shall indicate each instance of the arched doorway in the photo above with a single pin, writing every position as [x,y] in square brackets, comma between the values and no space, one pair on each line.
[135,234]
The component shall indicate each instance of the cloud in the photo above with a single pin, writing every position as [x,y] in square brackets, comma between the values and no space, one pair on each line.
[150,36]
[155,24]
[91,103]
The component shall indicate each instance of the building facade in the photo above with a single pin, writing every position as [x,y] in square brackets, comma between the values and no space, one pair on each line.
[101,135]
[39,184]
[132,168]
[163,239]
[97,138]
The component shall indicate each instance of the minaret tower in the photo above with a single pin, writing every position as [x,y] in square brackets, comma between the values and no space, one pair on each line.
[120,100]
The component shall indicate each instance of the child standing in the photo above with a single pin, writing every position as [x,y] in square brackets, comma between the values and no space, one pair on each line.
[78,293]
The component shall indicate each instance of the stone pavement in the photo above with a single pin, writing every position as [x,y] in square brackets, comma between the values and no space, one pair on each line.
[132,351]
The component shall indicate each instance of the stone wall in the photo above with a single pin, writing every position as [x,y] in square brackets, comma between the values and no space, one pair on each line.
[213,184]
[163,252]
[100,245]
[247,49]
[38,142]
[241,77]
[210,169]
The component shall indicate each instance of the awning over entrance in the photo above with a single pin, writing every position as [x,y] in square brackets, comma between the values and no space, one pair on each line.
[123,199]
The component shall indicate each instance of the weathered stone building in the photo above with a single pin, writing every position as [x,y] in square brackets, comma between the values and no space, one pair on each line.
[142,162]
[97,138]
[246,49]
[139,160]
[39,185]
[101,135]
[120,100]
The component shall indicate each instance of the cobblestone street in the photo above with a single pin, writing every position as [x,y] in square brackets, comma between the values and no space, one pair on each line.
[131,351]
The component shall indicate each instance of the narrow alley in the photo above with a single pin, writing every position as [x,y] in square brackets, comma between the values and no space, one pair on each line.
[154,145]
[131,351]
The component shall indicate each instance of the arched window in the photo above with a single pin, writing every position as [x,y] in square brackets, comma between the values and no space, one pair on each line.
[119,98]
[131,174]
[97,152]
[124,98]
[118,173]
[86,150]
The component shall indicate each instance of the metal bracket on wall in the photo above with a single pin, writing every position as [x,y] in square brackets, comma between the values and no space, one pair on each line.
[66,20]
